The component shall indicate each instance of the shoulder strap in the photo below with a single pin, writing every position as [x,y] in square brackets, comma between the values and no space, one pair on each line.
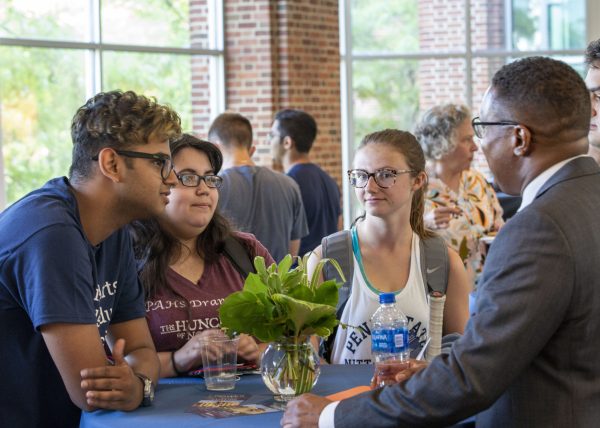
[239,256]
[435,265]
[338,246]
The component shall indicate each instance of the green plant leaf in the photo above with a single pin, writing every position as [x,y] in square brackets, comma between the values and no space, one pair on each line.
[261,268]
[254,284]
[302,292]
[303,314]
[284,265]
[316,276]
[277,302]
[245,312]
[291,280]
[327,293]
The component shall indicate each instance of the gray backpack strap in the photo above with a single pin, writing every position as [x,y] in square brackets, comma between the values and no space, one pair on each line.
[435,265]
[338,246]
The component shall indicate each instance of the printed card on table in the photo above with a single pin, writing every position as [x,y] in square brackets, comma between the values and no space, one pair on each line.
[227,405]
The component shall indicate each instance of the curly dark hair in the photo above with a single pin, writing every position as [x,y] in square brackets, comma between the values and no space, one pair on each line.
[155,248]
[548,91]
[120,120]
[592,53]
[405,143]
[299,126]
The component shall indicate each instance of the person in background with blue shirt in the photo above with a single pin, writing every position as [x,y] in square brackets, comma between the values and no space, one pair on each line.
[68,282]
[292,135]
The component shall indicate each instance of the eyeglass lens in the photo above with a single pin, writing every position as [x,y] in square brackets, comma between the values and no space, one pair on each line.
[193,180]
[383,178]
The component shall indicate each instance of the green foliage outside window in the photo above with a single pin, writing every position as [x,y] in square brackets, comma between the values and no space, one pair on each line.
[41,88]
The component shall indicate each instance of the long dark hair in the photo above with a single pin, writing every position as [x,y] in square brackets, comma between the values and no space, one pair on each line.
[155,248]
[405,143]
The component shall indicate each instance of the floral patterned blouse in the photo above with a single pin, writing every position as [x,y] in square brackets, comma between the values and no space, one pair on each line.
[481,215]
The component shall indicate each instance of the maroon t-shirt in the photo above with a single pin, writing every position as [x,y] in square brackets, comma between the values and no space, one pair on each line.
[173,321]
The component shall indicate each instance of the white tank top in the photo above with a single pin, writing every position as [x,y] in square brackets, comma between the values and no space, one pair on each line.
[353,345]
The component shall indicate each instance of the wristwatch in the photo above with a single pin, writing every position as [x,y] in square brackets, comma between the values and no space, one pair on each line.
[148,390]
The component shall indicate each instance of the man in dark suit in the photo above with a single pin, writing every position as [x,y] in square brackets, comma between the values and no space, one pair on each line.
[530,357]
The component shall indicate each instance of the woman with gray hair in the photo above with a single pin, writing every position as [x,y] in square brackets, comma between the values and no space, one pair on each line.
[460,204]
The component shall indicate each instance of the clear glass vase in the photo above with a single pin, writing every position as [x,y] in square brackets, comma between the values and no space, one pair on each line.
[290,367]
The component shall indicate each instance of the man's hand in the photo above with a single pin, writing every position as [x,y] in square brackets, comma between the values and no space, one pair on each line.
[112,387]
[397,372]
[304,411]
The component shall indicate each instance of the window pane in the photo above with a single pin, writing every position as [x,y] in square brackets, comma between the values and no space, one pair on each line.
[392,93]
[407,26]
[548,25]
[49,19]
[164,76]
[382,25]
[155,22]
[40,90]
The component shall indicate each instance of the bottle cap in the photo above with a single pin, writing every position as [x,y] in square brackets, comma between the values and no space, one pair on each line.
[387,298]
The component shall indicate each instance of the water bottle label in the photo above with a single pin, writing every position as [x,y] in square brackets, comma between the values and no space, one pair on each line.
[389,340]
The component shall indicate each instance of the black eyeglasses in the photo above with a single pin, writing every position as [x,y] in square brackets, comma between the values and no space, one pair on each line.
[479,126]
[160,160]
[193,180]
[384,177]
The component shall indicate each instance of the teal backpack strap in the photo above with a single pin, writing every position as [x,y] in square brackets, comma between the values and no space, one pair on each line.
[239,256]
[435,265]
[338,246]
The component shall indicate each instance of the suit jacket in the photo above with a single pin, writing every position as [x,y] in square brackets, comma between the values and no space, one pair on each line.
[530,357]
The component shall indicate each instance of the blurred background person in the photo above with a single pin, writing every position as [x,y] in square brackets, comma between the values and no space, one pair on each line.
[592,81]
[292,135]
[255,198]
[460,204]
[185,272]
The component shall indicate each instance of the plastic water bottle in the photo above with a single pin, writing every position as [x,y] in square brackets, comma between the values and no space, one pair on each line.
[389,340]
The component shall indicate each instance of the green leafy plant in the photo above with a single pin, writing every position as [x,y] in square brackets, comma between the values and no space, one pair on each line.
[278,303]
[286,307]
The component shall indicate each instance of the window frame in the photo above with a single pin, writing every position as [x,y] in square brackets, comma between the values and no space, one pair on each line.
[95,48]
[469,55]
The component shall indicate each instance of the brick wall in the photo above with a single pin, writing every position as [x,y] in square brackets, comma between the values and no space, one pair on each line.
[199,29]
[442,29]
[279,54]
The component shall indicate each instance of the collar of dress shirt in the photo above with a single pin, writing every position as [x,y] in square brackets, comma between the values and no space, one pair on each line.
[536,184]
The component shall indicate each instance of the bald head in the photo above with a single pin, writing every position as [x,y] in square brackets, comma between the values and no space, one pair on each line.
[545,94]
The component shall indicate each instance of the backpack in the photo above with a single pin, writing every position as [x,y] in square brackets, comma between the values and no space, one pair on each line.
[239,256]
[435,268]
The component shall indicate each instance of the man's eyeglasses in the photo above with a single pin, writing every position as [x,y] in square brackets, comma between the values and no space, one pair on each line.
[193,180]
[160,160]
[384,177]
[479,126]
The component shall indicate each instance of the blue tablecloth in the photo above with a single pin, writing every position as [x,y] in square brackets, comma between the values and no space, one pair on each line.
[175,396]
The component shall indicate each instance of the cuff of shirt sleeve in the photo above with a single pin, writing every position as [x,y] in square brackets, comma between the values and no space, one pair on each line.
[327,417]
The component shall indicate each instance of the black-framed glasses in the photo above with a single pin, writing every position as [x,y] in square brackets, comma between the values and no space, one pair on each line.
[384,177]
[479,126]
[193,180]
[159,159]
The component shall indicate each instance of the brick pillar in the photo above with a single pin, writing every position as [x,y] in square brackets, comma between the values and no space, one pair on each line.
[285,54]
[199,29]
[441,29]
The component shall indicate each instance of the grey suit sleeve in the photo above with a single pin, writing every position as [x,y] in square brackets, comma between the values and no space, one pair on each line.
[527,284]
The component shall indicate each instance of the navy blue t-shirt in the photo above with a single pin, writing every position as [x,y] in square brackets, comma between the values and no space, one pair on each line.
[321,199]
[50,273]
